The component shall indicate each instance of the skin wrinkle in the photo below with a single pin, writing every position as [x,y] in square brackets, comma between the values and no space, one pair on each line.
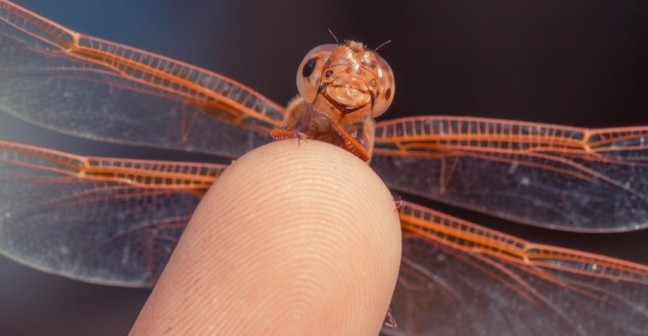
[295,238]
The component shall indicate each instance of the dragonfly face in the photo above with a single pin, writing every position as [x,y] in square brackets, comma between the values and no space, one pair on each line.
[351,81]
[342,88]
[544,175]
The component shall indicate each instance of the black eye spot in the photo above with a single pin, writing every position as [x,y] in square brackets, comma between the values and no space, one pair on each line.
[329,73]
[309,67]
[387,94]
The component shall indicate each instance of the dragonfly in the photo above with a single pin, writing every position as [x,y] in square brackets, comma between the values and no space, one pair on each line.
[115,221]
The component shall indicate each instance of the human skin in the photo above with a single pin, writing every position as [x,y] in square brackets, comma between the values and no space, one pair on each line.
[297,237]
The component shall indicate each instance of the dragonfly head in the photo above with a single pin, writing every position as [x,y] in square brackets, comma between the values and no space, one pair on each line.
[348,80]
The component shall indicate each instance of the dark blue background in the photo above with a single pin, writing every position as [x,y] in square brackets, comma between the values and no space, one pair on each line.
[570,62]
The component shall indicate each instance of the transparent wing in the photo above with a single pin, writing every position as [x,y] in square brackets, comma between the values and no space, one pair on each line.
[116,221]
[544,175]
[88,87]
[459,278]
[102,220]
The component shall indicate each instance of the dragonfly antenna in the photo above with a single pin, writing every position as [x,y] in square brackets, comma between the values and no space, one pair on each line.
[334,37]
[383,44]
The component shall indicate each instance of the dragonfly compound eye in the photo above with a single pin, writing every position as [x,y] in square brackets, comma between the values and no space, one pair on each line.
[308,68]
[310,71]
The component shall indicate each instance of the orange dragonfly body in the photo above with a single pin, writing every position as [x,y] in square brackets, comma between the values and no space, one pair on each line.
[116,221]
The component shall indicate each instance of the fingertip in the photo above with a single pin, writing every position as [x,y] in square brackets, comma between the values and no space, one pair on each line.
[297,237]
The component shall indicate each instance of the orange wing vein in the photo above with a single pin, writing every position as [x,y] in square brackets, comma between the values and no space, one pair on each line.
[89,87]
[102,220]
[458,278]
[551,176]
[116,221]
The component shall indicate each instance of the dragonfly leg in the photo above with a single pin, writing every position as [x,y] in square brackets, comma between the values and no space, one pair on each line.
[390,321]
[284,134]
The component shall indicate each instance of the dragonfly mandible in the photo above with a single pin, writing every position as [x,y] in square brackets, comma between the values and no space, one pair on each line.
[453,271]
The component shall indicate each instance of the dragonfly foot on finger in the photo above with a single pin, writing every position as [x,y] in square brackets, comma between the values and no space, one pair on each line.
[390,321]
[285,134]
[398,201]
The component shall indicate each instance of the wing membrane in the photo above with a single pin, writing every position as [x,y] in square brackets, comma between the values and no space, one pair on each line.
[544,175]
[116,221]
[109,221]
[85,86]
[458,278]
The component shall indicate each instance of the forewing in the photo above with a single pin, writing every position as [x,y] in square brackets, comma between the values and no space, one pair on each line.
[544,175]
[88,87]
[458,278]
[102,220]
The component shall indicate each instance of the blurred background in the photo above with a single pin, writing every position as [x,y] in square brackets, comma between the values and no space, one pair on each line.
[582,63]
